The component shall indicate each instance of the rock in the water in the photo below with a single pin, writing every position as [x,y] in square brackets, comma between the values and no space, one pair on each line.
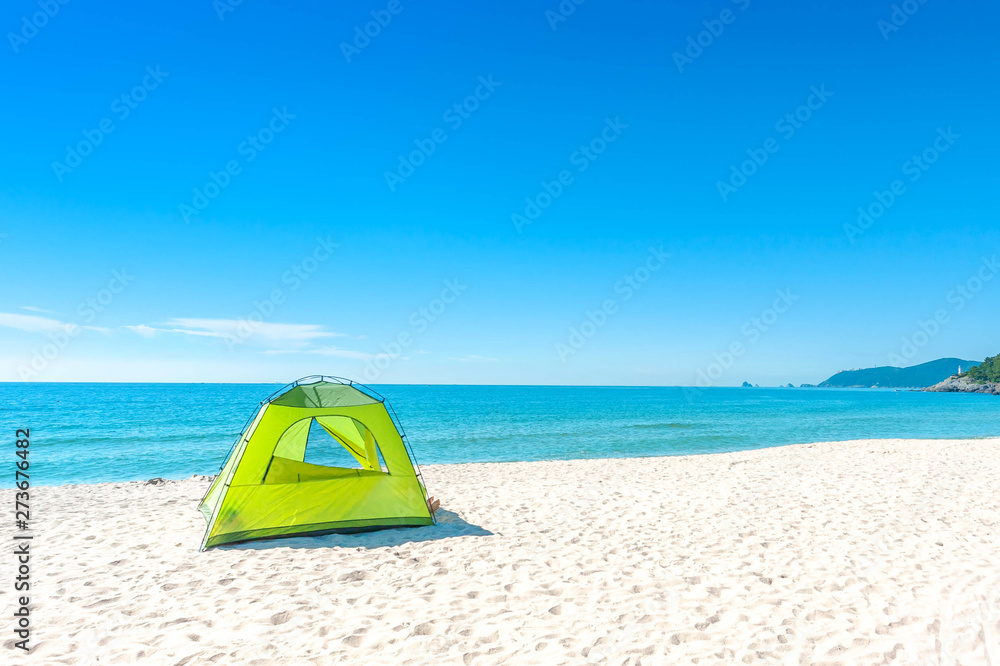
[956,384]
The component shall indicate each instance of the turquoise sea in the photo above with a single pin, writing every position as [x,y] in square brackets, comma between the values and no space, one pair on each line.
[89,433]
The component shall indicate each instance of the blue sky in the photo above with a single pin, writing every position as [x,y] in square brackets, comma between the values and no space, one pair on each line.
[257,211]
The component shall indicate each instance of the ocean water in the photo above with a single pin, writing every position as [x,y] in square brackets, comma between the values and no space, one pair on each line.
[89,433]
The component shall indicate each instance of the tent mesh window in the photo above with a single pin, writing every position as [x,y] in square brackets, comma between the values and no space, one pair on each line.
[333,449]
[324,447]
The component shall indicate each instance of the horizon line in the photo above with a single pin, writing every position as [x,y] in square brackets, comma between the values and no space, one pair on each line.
[249,383]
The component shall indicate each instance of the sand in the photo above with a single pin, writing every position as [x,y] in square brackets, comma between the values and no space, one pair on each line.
[865,552]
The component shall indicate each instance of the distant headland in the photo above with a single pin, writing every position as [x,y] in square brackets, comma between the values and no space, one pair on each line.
[945,375]
[983,378]
[916,376]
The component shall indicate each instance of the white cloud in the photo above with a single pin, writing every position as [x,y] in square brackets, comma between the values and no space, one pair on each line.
[243,329]
[143,330]
[240,329]
[30,323]
[36,324]
[32,308]
[279,338]
[326,351]
[204,334]
[473,358]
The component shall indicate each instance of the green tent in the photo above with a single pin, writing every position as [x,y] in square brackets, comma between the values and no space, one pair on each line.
[269,488]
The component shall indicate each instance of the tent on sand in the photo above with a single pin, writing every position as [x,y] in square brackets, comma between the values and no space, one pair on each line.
[320,455]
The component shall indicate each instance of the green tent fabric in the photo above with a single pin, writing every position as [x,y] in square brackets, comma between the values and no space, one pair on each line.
[266,488]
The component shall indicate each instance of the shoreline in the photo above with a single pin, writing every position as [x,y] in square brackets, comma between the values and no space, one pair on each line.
[209,477]
[867,551]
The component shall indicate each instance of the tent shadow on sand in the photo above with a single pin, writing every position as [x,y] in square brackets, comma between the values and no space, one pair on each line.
[449,525]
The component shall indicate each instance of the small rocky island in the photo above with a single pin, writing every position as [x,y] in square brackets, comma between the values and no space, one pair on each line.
[984,378]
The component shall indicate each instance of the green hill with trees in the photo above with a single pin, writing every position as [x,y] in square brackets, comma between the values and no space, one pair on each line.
[916,376]
[987,371]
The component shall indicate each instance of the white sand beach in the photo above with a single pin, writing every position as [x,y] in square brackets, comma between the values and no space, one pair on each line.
[864,552]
